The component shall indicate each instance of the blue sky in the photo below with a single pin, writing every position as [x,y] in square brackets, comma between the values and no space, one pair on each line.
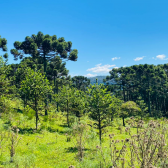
[107,34]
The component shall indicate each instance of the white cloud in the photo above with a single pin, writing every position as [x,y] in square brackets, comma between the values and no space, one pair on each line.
[101,68]
[116,67]
[139,58]
[124,65]
[114,58]
[90,75]
[161,57]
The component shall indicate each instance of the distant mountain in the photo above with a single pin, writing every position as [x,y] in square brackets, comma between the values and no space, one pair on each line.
[99,79]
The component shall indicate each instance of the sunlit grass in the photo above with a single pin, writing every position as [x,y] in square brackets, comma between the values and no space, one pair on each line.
[48,147]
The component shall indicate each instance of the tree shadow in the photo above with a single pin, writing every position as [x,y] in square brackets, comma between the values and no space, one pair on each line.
[71,149]
[74,149]
[28,131]
[18,110]
[64,125]
[53,130]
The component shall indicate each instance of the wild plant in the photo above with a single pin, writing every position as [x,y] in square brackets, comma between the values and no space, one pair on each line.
[13,142]
[145,149]
[2,139]
[117,155]
[68,133]
[80,133]
[148,147]
[71,166]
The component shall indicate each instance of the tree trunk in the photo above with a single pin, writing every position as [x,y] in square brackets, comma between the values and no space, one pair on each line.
[45,68]
[141,116]
[57,93]
[68,113]
[124,94]
[164,106]
[149,107]
[100,133]
[127,96]
[25,102]
[36,113]
[111,117]
[46,104]
[123,122]
[54,85]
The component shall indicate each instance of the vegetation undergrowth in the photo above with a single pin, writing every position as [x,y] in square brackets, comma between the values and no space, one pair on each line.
[56,145]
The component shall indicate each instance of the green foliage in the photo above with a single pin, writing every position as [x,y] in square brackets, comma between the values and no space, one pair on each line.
[93,109]
[2,63]
[143,108]
[35,85]
[65,98]
[5,87]
[128,109]
[49,147]
[29,112]
[57,74]
[3,46]
[80,82]
[79,105]
[34,89]
[45,46]
[115,107]
[99,102]
[146,81]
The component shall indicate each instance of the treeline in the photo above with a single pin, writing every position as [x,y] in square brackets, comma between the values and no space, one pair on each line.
[142,82]
[41,79]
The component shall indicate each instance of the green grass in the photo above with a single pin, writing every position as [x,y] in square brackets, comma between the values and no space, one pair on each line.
[48,147]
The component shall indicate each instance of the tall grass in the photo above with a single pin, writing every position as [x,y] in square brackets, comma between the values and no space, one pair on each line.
[141,144]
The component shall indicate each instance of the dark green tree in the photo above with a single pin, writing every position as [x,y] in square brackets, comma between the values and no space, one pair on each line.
[35,87]
[99,101]
[146,81]
[142,106]
[115,107]
[45,47]
[80,82]
[66,99]
[3,46]
[79,105]
[57,74]
[5,88]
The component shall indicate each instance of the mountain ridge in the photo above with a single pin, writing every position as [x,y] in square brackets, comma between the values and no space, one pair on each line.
[99,79]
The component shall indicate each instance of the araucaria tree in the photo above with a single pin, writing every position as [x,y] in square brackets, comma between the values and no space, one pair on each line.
[45,47]
[57,74]
[4,84]
[66,100]
[99,106]
[35,87]
[80,82]
[3,46]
